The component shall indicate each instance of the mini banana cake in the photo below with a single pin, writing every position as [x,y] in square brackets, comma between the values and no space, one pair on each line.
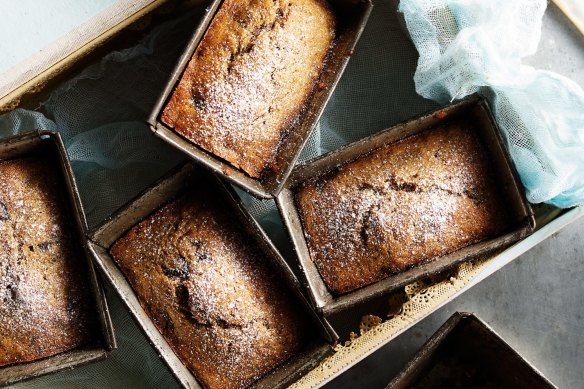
[210,291]
[401,205]
[43,295]
[250,78]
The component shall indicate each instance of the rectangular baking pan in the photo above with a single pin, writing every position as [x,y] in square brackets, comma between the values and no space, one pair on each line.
[475,107]
[464,337]
[160,193]
[47,143]
[353,16]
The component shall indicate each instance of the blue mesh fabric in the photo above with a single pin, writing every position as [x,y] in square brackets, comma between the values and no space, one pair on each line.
[469,46]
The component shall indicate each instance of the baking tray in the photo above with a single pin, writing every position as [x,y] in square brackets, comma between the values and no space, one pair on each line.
[353,16]
[522,214]
[49,144]
[466,343]
[160,193]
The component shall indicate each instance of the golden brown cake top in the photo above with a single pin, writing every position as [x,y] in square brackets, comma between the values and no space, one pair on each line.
[43,300]
[250,77]
[403,204]
[210,291]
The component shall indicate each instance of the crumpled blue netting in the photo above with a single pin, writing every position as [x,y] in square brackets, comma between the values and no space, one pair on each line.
[469,46]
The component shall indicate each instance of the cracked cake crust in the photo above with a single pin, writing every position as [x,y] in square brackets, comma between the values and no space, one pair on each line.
[250,77]
[210,292]
[401,205]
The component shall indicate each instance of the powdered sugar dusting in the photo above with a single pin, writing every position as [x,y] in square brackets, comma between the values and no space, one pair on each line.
[250,78]
[209,291]
[401,205]
[42,309]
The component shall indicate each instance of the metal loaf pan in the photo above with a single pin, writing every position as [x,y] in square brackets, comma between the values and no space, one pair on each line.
[353,16]
[467,344]
[473,107]
[49,144]
[160,193]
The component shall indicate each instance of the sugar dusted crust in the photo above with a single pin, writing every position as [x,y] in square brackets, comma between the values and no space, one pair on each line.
[250,77]
[210,292]
[43,297]
[401,205]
